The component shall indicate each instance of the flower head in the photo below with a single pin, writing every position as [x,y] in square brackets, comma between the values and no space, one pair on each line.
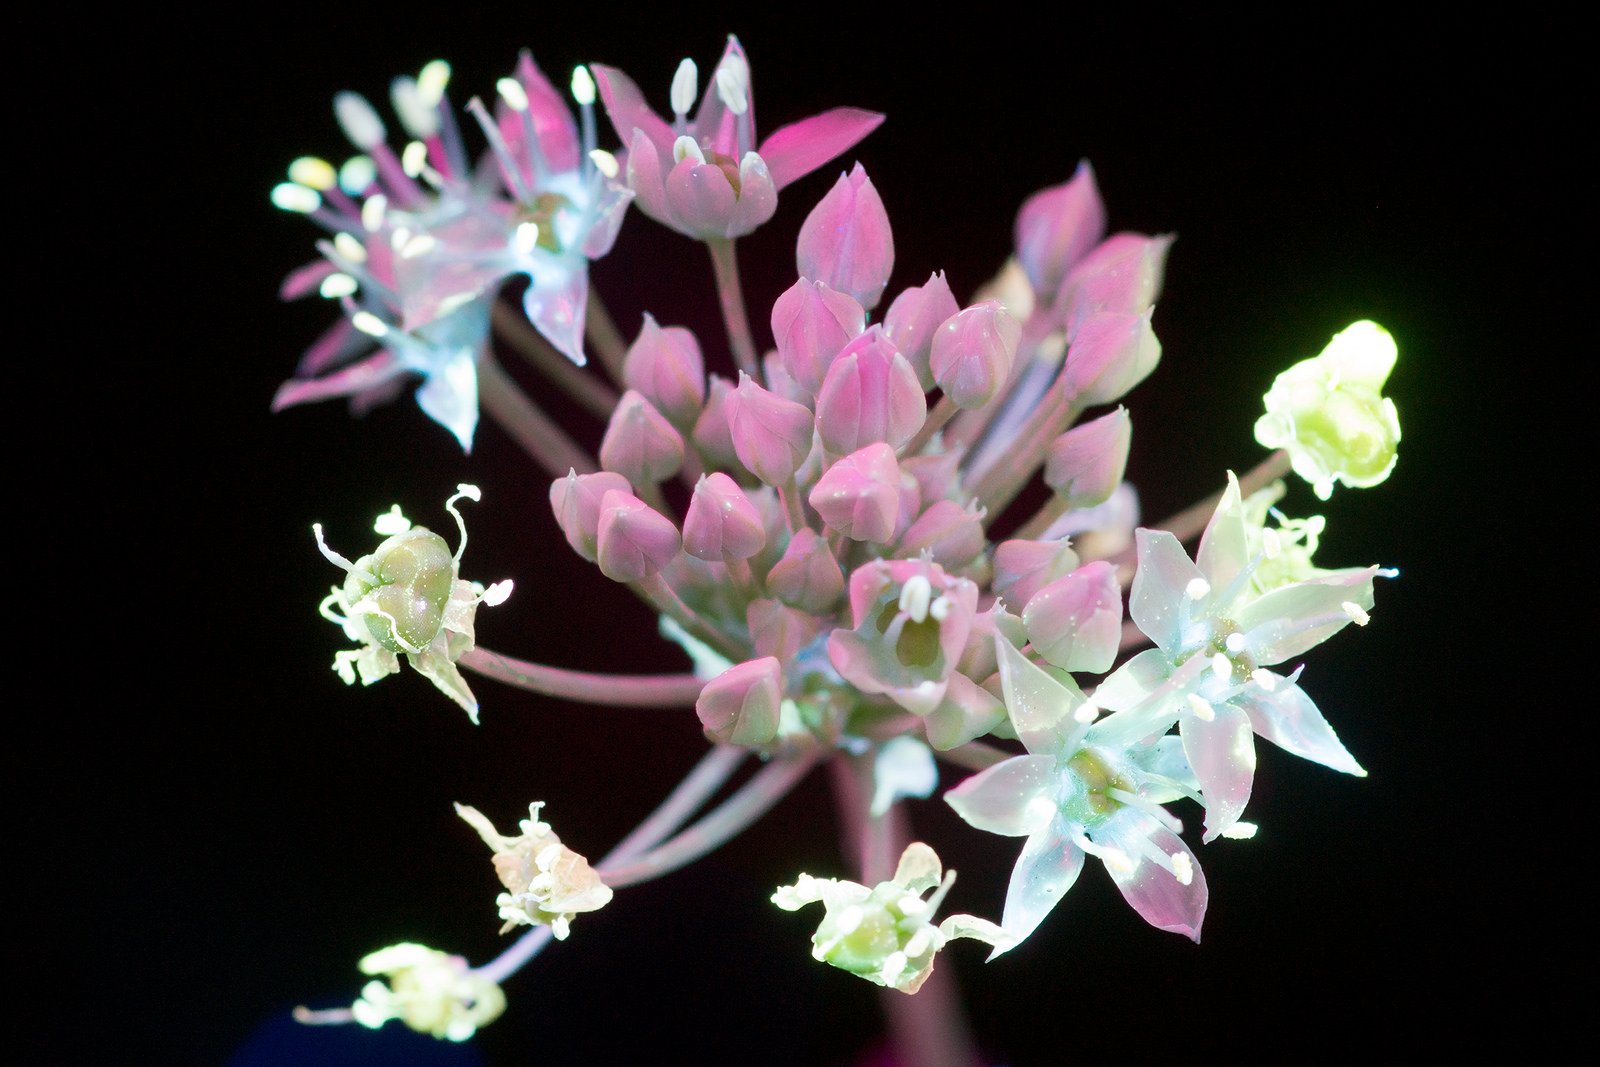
[430,991]
[1328,412]
[547,883]
[886,934]
[407,598]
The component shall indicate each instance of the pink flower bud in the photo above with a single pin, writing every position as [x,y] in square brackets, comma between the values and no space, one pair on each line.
[846,241]
[771,435]
[870,394]
[778,380]
[1057,227]
[951,533]
[1112,353]
[972,353]
[807,577]
[666,366]
[1086,463]
[910,505]
[712,438]
[575,500]
[722,524]
[914,316]
[860,494]
[811,324]
[1022,568]
[777,630]
[740,705]
[640,444]
[1122,274]
[1076,622]
[634,541]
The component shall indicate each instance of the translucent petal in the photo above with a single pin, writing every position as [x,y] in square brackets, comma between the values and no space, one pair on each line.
[1153,891]
[1290,620]
[1010,798]
[1224,549]
[1040,707]
[450,396]
[1222,753]
[628,112]
[1050,863]
[1134,680]
[346,381]
[796,150]
[1157,601]
[1287,717]
[919,869]
[557,307]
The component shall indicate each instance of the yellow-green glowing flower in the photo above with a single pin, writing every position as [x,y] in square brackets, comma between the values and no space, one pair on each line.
[1328,414]
[430,991]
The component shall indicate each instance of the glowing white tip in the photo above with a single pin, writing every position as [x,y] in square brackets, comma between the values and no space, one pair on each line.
[687,148]
[1234,642]
[1197,589]
[582,85]
[456,301]
[1201,708]
[1357,615]
[317,173]
[685,87]
[915,596]
[391,522]
[1087,712]
[849,920]
[357,175]
[290,196]
[604,162]
[1221,666]
[369,324]
[733,84]
[335,286]
[526,239]
[1241,831]
[419,119]
[1264,678]
[414,158]
[497,593]
[359,120]
[350,248]
[512,93]
[420,245]
[1271,543]
[399,237]
[919,943]
[940,609]
[1041,809]
[431,82]
[1182,868]
[372,212]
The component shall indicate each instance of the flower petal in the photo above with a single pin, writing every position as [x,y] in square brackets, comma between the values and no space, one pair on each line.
[1222,753]
[1159,586]
[1287,717]
[1154,892]
[1040,706]
[628,112]
[795,150]
[1224,549]
[449,397]
[1290,620]
[1050,863]
[646,180]
[700,198]
[1001,799]
[557,307]
[919,869]
[375,369]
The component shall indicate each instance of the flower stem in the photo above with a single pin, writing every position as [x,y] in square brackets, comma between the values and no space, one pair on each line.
[942,413]
[1042,519]
[666,600]
[520,417]
[725,263]
[601,330]
[615,690]
[593,395]
[1192,520]
[753,800]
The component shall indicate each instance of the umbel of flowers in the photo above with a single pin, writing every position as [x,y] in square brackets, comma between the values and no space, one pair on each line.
[830,525]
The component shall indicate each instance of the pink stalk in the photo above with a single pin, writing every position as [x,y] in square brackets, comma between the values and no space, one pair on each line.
[541,438]
[725,262]
[593,395]
[942,413]
[601,330]
[665,600]
[614,690]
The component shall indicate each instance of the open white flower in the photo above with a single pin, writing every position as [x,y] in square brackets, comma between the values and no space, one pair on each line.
[430,991]
[548,883]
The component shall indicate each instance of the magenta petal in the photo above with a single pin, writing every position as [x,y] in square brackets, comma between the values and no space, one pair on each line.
[795,150]
[1075,622]
[713,122]
[700,199]
[552,120]
[758,197]
[306,279]
[628,112]
[1222,753]
[846,242]
[369,372]
[338,342]
[1153,891]
[646,179]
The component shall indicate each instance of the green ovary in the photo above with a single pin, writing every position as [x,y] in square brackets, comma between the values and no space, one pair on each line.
[415,573]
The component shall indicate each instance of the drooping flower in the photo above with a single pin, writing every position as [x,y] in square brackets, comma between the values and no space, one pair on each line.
[430,991]
[886,934]
[1328,411]
[547,884]
[705,177]
[407,598]
[1086,787]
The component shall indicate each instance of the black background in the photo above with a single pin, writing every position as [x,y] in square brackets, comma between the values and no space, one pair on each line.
[225,829]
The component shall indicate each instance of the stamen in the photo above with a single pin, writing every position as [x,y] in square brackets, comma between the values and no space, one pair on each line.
[1183,867]
[329,554]
[582,86]
[326,1017]
[431,82]
[291,196]
[399,237]
[1264,678]
[369,324]
[512,92]
[391,522]
[1087,712]
[1148,806]
[497,593]
[414,158]
[456,301]
[420,245]
[1241,831]
[850,920]
[526,238]
[1041,808]
[918,944]
[359,120]
[337,285]
[357,174]
[933,902]
[1222,667]
[1202,709]
[372,212]
[310,170]
[605,162]
[733,84]
[1235,642]
[914,597]
[470,492]
[1271,543]
[349,248]
[420,118]
[1197,589]
[1114,858]
[686,148]
[498,145]
[940,608]
[685,87]
[1357,615]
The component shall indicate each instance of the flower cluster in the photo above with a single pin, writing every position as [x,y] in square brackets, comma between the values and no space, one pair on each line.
[834,529]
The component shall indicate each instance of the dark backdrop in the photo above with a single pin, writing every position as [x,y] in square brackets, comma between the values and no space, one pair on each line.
[227,828]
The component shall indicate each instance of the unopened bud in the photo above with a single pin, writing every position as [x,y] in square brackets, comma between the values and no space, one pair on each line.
[972,353]
[1057,227]
[640,444]
[721,524]
[771,435]
[665,365]
[860,494]
[950,533]
[1086,463]
[870,394]
[914,317]
[807,577]
[1076,622]
[846,241]
[1022,568]
[1111,353]
[740,705]
[634,540]
[811,324]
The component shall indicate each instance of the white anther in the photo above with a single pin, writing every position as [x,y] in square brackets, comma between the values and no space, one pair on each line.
[1087,712]
[359,120]
[582,85]
[733,84]
[350,248]
[685,86]
[291,196]
[431,81]
[1271,543]
[420,245]
[369,324]
[919,943]
[687,148]
[604,162]
[911,905]
[399,237]
[512,92]
[1222,667]
[1240,831]
[914,597]
[940,608]
[1182,868]
[1264,678]
[317,173]
[1202,708]
[1357,615]
[414,158]
[497,593]
[391,522]
[419,118]
[526,239]
[372,212]
[455,301]
[850,919]
[1234,642]
[1197,589]
[357,174]
[337,285]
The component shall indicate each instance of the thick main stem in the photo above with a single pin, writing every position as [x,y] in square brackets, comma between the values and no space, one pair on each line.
[615,690]
[593,395]
[540,437]
[725,264]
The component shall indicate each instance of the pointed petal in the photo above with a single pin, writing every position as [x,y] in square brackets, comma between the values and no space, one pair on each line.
[610,207]
[1222,753]
[919,869]
[627,110]
[758,197]
[442,673]
[1290,620]
[1002,799]
[449,397]
[557,309]
[369,372]
[795,150]
[1050,863]
[1223,548]
[1287,717]
[1040,707]
[1157,599]
[306,279]
[1134,680]
[338,342]
[1153,891]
